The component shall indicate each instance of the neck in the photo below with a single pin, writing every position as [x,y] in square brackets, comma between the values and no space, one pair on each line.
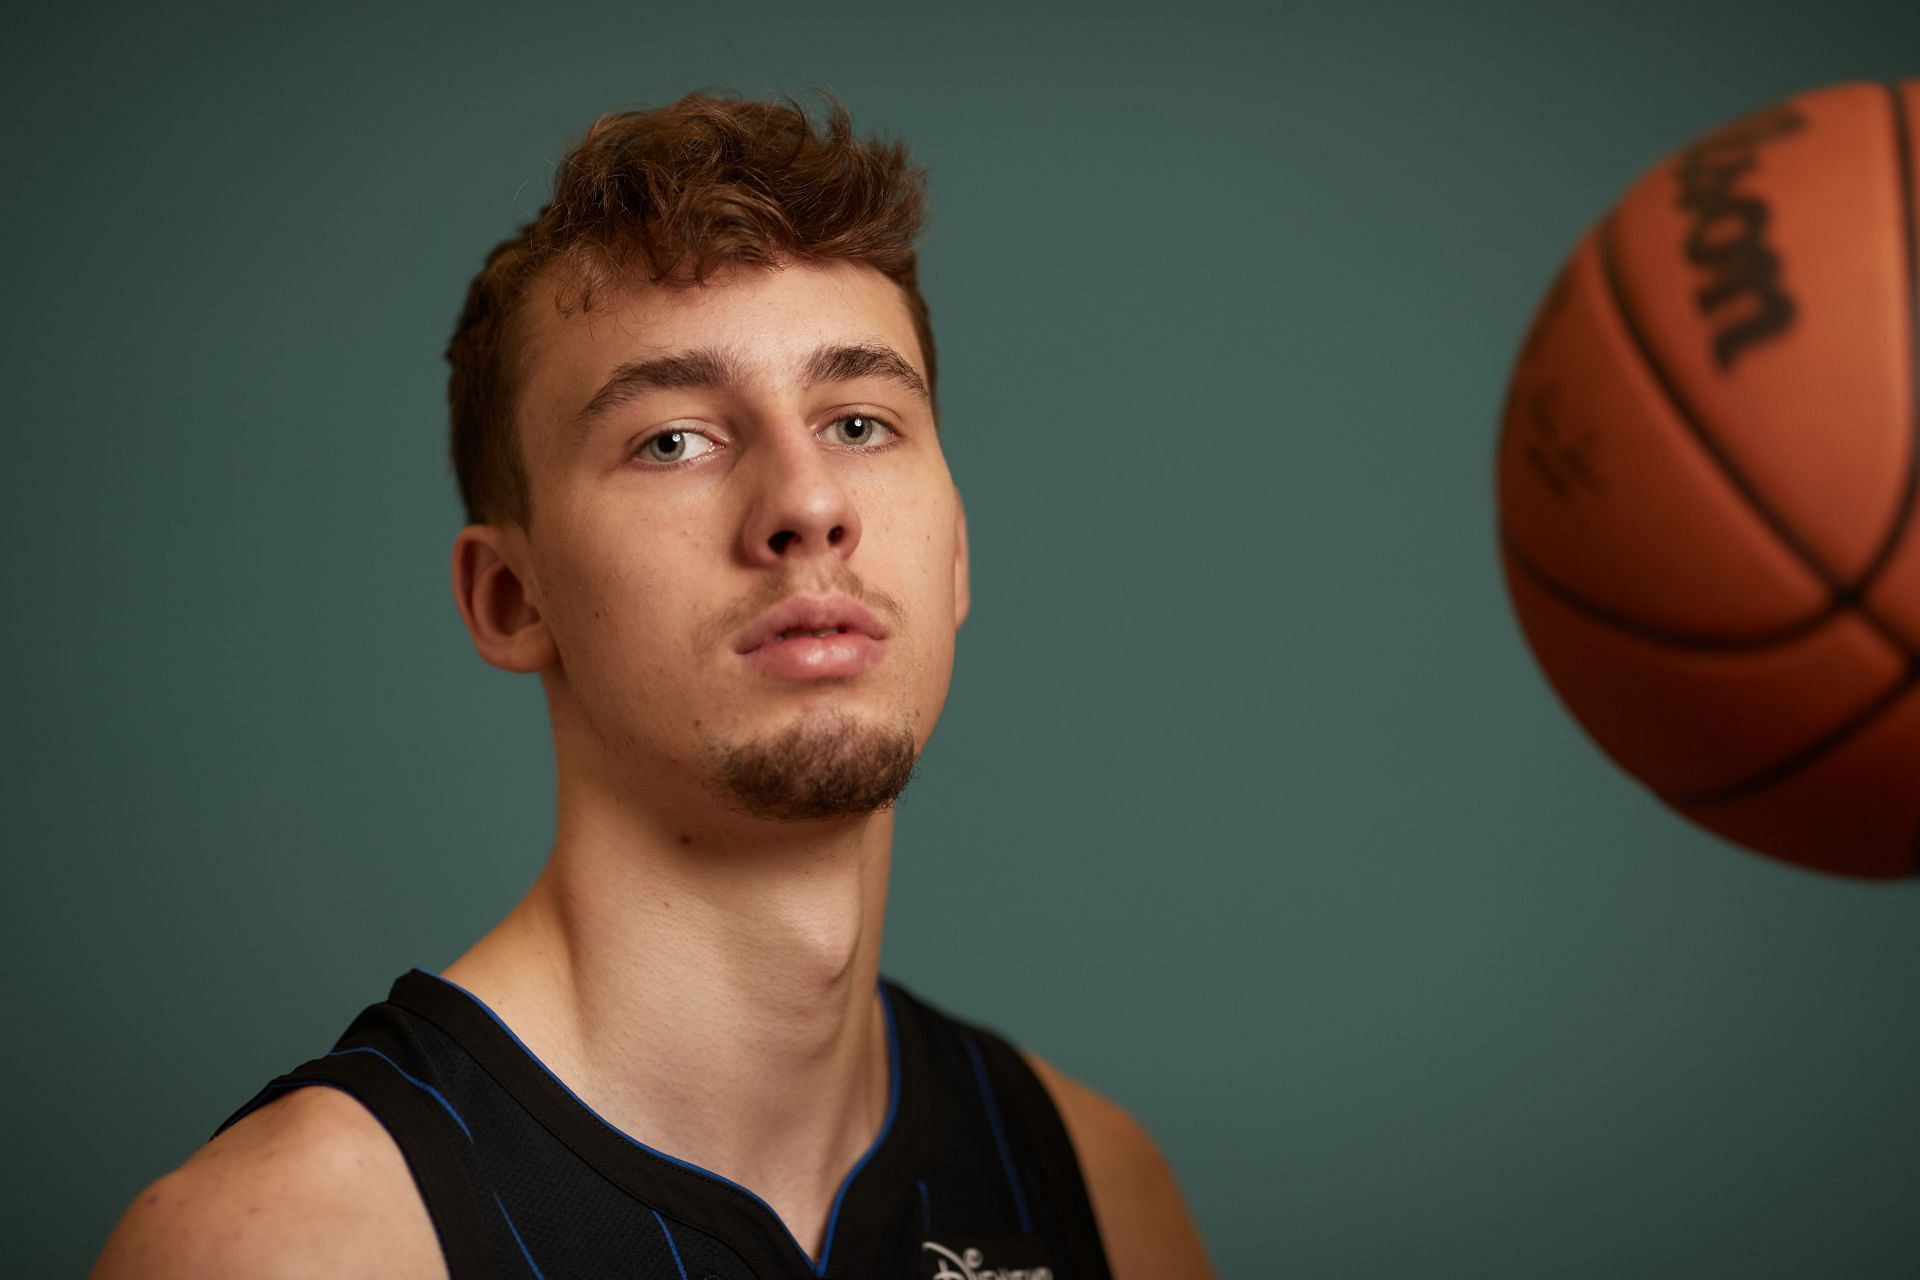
[711,995]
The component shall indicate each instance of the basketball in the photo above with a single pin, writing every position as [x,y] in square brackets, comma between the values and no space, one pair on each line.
[1706,482]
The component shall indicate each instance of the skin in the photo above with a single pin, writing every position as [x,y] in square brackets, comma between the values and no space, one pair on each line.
[701,976]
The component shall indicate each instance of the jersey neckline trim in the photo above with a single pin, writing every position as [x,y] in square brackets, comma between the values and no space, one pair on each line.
[816,1267]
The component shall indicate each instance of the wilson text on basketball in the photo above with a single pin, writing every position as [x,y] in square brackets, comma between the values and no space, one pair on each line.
[1726,236]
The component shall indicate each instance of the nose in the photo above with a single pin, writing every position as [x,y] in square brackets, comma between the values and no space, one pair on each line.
[800,509]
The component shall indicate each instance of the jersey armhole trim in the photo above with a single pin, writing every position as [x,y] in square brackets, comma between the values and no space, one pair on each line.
[443,1174]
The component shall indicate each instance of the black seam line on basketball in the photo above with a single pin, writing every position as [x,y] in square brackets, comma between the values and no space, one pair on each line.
[1662,635]
[1903,142]
[1829,741]
[1905,156]
[1697,427]
[1904,513]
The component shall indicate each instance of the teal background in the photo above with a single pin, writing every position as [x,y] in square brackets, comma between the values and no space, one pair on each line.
[1249,807]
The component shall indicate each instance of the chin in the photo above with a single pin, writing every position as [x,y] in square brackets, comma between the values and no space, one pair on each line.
[824,764]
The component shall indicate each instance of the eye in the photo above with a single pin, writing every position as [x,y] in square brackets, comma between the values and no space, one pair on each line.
[860,430]
[674,446]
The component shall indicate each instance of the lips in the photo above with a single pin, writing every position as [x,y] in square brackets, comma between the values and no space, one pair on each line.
[801,618]
[802,639]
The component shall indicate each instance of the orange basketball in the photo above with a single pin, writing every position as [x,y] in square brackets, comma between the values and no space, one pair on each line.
[1706,482]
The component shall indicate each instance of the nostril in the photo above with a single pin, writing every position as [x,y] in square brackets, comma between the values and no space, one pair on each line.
[835,534]
[780,540]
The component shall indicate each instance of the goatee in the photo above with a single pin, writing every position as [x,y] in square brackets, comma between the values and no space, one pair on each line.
[825,766]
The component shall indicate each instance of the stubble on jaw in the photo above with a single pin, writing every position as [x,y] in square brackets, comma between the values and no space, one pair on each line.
[832,765]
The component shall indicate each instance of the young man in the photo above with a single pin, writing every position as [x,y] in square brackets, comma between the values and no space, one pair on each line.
[694,426]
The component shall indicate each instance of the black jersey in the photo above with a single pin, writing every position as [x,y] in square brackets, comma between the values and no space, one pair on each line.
[972,1175]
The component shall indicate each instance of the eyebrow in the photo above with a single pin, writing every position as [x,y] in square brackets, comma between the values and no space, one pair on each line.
[708,368]
[847,363]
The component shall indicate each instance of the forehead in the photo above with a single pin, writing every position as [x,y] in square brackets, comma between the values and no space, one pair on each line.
[769,320]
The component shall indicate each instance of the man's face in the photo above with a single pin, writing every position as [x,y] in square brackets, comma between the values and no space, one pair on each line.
[702,460]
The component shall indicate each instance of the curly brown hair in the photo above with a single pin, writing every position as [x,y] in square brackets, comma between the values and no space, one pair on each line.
[668,196]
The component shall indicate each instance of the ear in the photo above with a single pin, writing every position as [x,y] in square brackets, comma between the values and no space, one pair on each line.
[962,587]
[501,612]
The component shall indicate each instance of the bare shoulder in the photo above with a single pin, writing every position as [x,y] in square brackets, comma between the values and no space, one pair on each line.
[1143,1218]
[309,1185]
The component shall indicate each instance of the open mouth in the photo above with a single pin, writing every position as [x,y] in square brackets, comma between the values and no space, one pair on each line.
[795,633]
